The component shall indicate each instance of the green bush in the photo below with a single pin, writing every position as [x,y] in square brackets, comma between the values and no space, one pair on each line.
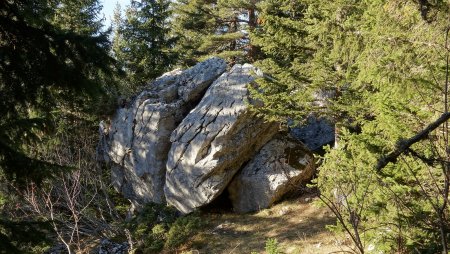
[182,229]
[158,226]
[272,246]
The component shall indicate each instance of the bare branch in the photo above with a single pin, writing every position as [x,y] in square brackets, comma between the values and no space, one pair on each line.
[404,145]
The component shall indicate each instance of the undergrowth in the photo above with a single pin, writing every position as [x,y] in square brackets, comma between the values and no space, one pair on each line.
[159,227]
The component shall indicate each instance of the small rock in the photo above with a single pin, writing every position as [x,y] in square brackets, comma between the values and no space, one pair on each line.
[108,247]
[315,133]
[284,210]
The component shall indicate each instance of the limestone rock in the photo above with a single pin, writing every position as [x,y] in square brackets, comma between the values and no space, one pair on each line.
[279,167]
[137,142]
[107,246]
[213,141]
[315,133]
[175,143]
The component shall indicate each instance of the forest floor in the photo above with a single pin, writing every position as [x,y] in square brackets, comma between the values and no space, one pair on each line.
[298,225]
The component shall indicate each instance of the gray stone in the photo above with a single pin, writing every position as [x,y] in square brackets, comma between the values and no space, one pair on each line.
[137,142]
[213,141]
[315,133]
[107,246]
[281,166]
[175,143]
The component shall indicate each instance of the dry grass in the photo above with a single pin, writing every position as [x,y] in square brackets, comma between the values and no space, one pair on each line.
[298,225]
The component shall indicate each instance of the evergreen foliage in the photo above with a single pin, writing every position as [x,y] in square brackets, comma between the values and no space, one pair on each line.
[379,71]
[141,41]
[205,28]
[81,17]
[282,39]
[51,71]
[44,71]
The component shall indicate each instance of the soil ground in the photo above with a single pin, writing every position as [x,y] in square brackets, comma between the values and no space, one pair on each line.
[298,225]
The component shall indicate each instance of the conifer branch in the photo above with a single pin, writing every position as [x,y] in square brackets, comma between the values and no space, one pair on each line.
[404,145]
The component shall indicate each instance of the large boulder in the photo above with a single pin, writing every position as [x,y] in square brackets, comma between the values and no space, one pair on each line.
[175,143]
[137,140]
[214,140]
[281,166]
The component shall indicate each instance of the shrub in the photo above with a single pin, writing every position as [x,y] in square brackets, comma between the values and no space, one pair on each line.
[182,229]
[159,226]
[272,246]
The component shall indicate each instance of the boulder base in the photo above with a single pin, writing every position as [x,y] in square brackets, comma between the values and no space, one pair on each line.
[281,166]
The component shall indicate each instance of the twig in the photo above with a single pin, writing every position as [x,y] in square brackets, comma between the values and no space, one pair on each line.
[234,248]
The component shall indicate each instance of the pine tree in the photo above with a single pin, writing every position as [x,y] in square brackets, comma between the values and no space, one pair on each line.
[281,38]
[42,67]
[221,28]
[46,74]
[81,17]
[383,64]
[141,41]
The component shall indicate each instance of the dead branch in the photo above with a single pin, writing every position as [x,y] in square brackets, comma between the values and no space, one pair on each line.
[404,145]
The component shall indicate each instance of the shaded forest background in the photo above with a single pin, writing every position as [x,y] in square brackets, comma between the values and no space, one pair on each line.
[377,69]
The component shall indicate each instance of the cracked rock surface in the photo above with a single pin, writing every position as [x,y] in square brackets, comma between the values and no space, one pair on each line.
[137,141]
[279,167]
[213,141]
[190,135]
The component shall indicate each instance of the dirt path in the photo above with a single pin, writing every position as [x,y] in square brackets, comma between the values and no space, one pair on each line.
[298,226]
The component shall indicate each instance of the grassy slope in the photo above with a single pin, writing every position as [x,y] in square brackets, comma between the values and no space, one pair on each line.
[297,224]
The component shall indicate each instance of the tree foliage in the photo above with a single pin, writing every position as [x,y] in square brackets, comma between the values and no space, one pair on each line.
[50,72]
[209,27]
[43,71]
[142,44]
[282,40]
[379,71]
[81,17]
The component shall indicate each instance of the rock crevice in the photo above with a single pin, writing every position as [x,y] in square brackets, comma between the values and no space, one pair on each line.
[184,139]
[139,137]
[213,141]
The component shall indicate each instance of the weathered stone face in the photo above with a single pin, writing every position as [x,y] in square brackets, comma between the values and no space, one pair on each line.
[315,134]
[183,139]
[279,167]
[138,140]
[213,141]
